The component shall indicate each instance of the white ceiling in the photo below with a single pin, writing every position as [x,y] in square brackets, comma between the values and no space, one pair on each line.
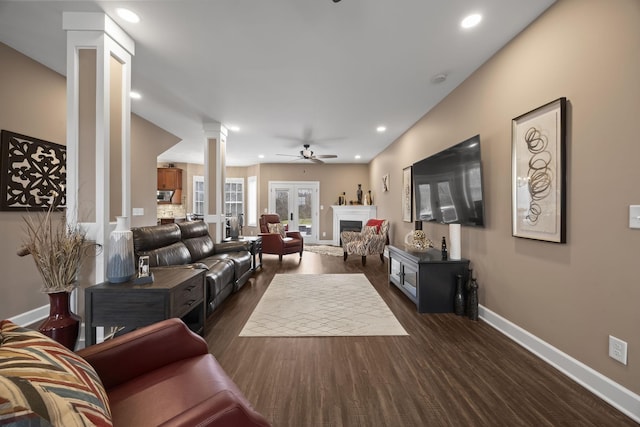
[285,70]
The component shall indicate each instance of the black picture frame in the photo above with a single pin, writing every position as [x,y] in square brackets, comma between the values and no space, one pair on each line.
[538,182]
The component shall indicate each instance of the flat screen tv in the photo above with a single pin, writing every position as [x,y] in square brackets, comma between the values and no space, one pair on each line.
[448,185]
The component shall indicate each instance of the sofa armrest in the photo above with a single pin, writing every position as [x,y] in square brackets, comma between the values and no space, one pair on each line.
[294,234]
[271,243]
[143,350]
[231,246]
[225,408]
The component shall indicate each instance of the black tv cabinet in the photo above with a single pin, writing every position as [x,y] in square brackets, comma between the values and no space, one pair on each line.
[427,279]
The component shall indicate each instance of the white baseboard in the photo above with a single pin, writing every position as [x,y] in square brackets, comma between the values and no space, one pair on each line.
[32,316]
[611,392]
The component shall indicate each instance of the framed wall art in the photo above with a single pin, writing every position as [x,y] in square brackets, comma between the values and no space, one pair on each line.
[407,204]
[385,183]
[33,173]
[538,149]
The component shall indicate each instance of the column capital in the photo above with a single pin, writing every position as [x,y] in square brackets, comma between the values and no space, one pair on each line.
[214,130]
[96,21]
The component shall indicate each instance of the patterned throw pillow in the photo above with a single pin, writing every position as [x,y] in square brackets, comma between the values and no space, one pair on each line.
[42,383]
[277,228]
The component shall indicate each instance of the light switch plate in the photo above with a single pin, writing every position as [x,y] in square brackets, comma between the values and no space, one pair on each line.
[634,216]
[137,211]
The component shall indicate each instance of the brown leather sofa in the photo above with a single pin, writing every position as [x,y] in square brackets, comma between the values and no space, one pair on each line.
[276,243]
[163,375]
[189,243]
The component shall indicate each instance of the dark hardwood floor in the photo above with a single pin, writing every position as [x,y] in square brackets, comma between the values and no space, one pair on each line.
[449,371]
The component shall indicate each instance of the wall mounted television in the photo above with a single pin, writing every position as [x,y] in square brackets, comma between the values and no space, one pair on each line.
[448,185]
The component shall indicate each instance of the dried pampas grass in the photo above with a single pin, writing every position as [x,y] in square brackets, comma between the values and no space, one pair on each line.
[57,249]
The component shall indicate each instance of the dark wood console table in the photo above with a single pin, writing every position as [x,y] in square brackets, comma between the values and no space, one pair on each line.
[175,292]
[427,279]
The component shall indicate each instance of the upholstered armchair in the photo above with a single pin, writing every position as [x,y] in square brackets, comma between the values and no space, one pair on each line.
[370,241]
[276,239]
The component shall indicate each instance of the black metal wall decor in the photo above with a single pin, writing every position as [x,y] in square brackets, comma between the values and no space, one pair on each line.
[33,173]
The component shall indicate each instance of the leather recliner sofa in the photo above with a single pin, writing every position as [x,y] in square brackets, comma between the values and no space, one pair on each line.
[189,243]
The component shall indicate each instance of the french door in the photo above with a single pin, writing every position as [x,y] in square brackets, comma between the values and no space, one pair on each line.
[297,204]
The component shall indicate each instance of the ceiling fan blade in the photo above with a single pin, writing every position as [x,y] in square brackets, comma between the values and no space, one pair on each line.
[315,160]
[288,155]
[326,156]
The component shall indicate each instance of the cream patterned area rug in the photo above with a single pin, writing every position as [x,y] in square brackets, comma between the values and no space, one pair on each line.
[325,249]
[317,305]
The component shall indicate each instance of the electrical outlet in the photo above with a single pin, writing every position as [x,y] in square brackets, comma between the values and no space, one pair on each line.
[324,234]
[618,349]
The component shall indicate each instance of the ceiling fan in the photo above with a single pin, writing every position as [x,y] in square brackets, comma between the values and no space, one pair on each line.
[307,154]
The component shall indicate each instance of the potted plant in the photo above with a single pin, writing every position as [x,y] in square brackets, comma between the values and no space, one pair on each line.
[57,250]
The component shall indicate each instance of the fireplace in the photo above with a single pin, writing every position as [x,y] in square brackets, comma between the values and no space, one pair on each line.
[351,218]
[349,225]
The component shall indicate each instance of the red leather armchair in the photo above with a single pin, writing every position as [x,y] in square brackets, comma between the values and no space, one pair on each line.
[275,243]
[163,375]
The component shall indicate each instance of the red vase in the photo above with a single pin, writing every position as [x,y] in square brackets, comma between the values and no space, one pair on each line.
[62,325]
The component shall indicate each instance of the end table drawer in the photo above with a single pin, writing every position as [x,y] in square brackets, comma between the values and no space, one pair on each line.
[187,295]
[132,309]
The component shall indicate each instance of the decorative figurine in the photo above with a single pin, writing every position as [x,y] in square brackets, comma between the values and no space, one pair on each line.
[359,194]
[458,302]
[473,300]
[444,249]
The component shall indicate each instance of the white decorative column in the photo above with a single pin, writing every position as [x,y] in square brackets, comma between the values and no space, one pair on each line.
[97,32]
[215,151]
[350,213]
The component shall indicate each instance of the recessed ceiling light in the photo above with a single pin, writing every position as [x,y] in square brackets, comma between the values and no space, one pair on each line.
[381,128]
[135,95]
[357,156]
[128,15]
[471,21]
[234,128]
[261,156]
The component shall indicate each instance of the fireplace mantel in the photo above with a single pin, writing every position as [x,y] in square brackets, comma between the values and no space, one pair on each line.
[350,213]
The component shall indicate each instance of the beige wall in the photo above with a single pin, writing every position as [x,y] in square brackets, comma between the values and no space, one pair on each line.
[148,141]
[37,108]
[570,295]
[333,178]
[34,105]
[190,170]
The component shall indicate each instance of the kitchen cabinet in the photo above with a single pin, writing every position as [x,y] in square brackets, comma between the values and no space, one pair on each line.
[169,179]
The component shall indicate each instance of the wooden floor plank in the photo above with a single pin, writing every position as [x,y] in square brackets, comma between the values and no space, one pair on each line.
[449,371]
